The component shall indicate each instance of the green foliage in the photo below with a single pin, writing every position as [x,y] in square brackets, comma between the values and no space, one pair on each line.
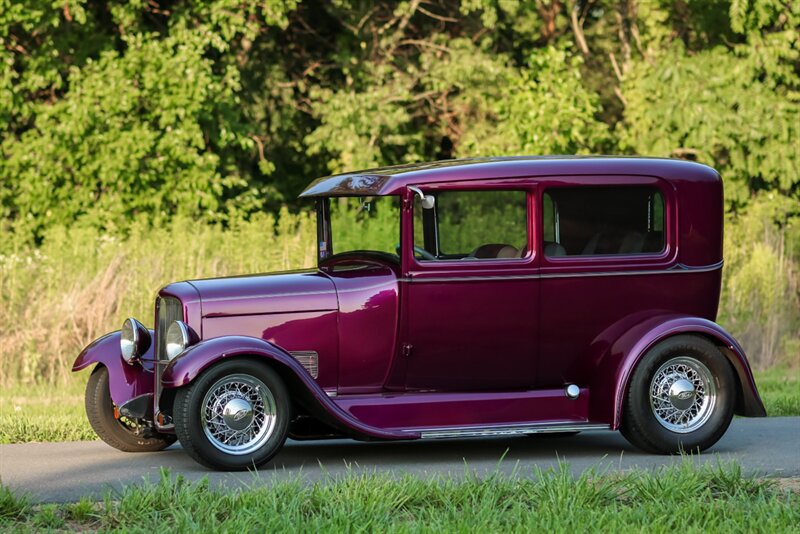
[468,220]
[761,285]
[712,107]
[131,139]
[542,109]
[12,506]
[779,388]
[357,224]
[119,117]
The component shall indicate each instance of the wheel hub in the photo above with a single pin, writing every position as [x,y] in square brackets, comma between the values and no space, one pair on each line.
[238,414]
[682,394]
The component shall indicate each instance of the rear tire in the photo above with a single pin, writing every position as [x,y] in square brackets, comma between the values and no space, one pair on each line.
[117,433]
[680,398]
[234,416]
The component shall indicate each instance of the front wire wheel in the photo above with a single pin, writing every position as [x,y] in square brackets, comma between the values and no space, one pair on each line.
[680,398]
[234,416]
[239,414]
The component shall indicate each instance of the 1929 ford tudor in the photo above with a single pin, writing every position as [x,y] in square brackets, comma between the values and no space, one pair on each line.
[499,296]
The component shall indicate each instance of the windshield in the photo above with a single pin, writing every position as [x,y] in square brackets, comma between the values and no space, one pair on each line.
[363,223]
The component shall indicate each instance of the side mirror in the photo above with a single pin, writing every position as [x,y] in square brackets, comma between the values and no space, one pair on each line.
[428,201]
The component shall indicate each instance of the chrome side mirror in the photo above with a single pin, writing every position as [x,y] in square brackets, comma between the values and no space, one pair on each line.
[428,201]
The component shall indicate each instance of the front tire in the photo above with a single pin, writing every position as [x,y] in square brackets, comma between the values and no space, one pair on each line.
[118,433]
[234,416]
[680,398]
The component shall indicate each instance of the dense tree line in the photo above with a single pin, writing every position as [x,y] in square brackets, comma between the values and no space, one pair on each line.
[115,111]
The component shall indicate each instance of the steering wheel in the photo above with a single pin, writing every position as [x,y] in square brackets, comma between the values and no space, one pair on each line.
[419,251]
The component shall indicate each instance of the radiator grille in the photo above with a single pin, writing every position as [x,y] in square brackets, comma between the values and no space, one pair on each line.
[308,359]
[168,310]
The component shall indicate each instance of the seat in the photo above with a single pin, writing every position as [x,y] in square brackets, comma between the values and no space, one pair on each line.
[554,249]
[591,246]
[632,243]
[494,250]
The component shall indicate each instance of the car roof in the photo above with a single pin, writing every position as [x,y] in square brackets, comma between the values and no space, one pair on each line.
[393,180]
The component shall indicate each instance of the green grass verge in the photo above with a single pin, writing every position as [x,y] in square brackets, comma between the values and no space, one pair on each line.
[780,390]
[683,498]
[45,413]
[56,413]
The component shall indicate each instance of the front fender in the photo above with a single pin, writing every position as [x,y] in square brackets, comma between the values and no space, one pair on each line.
[125,381]
[623,356]
[197,358]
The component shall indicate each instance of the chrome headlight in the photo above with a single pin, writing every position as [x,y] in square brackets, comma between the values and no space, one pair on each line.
[177,338]
[134,340]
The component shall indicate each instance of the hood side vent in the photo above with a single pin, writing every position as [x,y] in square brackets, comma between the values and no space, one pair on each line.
[308,359]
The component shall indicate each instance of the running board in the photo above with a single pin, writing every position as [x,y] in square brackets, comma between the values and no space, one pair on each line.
[507,430]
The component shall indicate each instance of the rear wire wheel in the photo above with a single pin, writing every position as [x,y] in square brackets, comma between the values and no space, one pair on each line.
[680,398]
[120,433]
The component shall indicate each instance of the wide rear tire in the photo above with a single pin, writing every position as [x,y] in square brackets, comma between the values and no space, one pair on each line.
[234,416]
[118,433]
[680,398]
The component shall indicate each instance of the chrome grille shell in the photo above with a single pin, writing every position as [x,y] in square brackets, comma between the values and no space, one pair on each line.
[168,309]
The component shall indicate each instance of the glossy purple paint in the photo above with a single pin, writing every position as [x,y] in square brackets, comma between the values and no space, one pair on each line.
[297,331]
[423,411]
[415,345]
[196,359]
[126,381]
[368,308]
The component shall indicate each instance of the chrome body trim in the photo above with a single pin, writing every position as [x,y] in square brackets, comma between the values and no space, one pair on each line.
[677,269]
[508,430]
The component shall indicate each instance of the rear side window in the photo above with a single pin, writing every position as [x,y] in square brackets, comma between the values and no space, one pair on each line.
[595,221]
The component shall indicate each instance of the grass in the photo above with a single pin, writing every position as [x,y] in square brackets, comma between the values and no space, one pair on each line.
[684,497]
[44,413]
[48,413]
[780,390]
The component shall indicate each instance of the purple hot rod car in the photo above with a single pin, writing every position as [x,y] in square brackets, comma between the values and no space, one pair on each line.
[499,296]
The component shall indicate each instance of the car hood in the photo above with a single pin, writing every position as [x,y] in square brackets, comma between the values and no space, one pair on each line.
[289,292]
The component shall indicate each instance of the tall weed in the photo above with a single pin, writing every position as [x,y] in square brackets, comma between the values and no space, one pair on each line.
[760,301]
[78,283]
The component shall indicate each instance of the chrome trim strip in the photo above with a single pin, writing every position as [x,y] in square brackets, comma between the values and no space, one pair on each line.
[509,430]
[676,269]
[471,278]
[272,295]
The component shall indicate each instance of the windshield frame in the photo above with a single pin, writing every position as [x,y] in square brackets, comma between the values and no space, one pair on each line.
[325,239]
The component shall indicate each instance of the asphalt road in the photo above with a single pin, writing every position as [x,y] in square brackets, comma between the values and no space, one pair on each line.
[64,472]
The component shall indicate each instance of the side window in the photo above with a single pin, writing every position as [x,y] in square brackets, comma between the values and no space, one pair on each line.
[472,225]
[591,221]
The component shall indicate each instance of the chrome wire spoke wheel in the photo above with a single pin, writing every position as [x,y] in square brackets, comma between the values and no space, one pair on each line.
[682,394]
[238,414]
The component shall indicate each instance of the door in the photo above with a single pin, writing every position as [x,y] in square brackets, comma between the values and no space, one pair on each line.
[470,290]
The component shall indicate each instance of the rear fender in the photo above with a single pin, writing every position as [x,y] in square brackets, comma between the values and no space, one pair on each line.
[125,380]
[303,388]
[617,367]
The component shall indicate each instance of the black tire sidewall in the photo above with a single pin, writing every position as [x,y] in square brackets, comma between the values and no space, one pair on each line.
[640,425]
[100,412]
[189,426]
